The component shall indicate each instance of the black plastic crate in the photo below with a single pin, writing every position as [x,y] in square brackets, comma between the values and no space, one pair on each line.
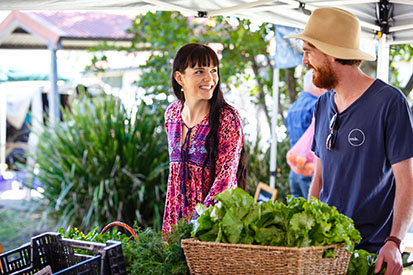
[50,249]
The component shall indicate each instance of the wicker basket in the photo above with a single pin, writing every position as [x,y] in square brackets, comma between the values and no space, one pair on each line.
[223,258]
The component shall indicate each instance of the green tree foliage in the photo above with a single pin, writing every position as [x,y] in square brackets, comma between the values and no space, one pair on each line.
[164,32]
[245,46]
[245,56]
[245,52]
[400,53]
[104,163]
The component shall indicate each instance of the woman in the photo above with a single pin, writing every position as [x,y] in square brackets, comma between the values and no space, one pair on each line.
[204,135]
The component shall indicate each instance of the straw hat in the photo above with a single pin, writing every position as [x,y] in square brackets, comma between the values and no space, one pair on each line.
[335,32]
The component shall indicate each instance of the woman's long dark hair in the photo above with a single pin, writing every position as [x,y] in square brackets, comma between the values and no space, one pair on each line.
[198,54]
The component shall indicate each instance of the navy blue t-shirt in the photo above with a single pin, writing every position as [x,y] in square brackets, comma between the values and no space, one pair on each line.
[373,133]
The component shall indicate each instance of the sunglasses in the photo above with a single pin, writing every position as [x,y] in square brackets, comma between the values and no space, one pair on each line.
[331,138]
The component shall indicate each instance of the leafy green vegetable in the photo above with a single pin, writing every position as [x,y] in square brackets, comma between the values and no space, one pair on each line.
[362,262]
[328,253]
[237,218]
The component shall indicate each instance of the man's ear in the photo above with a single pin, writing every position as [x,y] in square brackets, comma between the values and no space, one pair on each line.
[331,59]
[178,77]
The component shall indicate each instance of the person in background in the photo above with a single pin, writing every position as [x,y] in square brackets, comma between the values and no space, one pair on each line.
[205,137]
[363,138]
[300,115]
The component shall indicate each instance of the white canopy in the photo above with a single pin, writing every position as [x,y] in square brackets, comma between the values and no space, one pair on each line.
[391,17]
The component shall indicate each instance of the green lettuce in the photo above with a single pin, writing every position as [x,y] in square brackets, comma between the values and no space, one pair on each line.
[237,218]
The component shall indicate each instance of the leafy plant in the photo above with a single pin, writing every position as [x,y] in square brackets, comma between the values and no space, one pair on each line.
[94,235]
[363,262]
[104,163]
[154,254]
[237,218]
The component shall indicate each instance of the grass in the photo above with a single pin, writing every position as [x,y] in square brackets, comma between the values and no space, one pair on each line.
[19,221]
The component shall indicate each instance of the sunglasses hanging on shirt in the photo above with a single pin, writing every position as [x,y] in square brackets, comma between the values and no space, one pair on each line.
[331,138]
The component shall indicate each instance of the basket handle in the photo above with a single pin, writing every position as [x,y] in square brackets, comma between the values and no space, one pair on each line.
[124,225]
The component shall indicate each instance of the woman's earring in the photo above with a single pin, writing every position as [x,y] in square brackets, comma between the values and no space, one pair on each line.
[182,89]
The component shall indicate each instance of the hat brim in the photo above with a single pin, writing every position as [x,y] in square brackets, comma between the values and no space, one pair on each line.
[334,51]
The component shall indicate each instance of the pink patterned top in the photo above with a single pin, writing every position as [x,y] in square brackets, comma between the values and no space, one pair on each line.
[186,187]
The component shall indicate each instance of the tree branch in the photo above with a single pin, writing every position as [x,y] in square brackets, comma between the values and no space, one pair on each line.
[261,94]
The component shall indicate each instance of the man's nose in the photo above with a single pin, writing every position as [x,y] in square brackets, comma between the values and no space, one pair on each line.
[305,58]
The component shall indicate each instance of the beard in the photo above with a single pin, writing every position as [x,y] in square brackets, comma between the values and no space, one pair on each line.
[324,77]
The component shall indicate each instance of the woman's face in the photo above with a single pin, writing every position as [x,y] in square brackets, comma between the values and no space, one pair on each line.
[198,82]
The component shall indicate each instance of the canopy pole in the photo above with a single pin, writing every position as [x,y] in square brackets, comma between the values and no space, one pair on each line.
[53,94]
[273,159]
[383,59]
[3,127]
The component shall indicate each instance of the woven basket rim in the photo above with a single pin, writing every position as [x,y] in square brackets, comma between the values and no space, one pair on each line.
[192,241]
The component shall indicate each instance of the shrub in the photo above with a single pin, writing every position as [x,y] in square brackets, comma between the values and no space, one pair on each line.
[104,163]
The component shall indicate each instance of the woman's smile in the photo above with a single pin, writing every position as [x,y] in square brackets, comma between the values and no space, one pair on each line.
[207,88]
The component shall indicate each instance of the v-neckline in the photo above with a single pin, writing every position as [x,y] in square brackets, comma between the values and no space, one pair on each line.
[355,102]
[196,127]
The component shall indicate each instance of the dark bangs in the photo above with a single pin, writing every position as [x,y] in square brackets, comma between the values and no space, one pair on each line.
[200,55]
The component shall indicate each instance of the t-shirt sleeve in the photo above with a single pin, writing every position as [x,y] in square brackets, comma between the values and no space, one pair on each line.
[229,152]
[399,131]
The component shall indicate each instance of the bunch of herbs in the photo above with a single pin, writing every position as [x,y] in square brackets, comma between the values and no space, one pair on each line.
[157,254]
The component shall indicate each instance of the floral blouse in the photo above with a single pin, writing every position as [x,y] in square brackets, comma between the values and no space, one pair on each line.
[186,184]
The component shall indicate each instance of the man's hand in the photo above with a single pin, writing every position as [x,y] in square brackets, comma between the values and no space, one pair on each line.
[391,255]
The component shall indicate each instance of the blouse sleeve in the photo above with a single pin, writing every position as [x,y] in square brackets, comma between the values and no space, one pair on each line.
[230,138]
[167,116]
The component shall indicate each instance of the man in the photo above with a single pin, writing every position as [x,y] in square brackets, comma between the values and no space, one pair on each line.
[363,138]
[300,115]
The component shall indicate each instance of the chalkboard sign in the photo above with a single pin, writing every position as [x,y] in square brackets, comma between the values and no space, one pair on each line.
[265,193]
